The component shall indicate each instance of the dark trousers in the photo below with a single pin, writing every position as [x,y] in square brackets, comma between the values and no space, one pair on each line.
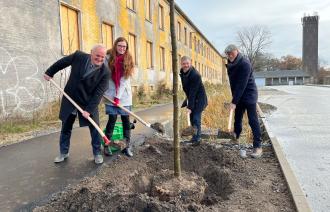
[195,120]
[126,126]
[66,135]
[253,121]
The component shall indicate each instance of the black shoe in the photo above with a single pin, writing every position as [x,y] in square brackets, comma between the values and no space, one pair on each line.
[196,142]
[107,151]
[128,152]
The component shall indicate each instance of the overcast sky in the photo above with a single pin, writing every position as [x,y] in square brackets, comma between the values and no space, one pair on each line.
[220,20]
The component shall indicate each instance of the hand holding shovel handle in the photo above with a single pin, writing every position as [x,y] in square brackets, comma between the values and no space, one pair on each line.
[105,139]
[129,112]
[156,126]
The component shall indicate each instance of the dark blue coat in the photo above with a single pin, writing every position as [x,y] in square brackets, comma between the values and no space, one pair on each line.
[242,83]
[194,89]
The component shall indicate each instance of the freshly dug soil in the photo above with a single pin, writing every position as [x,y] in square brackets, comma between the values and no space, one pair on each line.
[214,178]
[267,108]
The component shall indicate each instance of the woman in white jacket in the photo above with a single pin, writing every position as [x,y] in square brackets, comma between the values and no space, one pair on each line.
[120,63]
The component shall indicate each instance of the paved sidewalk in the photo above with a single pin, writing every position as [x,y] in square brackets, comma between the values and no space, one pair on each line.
[28,173]
[301,124]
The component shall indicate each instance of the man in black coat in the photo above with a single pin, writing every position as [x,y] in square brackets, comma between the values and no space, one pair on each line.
[245,95]
[196,100]
[88,80]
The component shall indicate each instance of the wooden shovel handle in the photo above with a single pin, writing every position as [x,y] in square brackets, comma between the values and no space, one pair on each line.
[230,120]
[129,112]
[106,140]
[188,119]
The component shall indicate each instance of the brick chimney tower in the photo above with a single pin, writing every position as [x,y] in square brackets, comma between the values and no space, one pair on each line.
[310,45]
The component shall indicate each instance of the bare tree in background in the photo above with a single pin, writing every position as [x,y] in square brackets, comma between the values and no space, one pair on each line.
[253,41]
[176,141]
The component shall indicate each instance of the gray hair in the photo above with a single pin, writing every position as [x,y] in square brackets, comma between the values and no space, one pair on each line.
[185,58]
[230,48]
[97,46]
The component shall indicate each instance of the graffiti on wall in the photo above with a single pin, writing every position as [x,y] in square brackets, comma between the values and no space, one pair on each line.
[21,89]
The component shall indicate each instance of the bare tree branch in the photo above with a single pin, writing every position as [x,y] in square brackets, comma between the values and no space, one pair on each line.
[253,41]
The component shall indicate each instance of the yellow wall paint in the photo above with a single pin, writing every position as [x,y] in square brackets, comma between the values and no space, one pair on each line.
[134,22]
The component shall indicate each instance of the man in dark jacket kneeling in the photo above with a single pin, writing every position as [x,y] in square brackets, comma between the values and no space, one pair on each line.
[245,95]
[196,100]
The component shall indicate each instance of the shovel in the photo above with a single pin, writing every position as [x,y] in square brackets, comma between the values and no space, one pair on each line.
[105,139]
[156,126]
[189,130]
[229,133]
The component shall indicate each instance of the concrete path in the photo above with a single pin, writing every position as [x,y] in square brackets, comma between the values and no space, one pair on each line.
[28,174]
[301,124]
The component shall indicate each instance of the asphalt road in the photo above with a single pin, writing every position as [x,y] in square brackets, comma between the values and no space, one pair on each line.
[29,176]
[301,124]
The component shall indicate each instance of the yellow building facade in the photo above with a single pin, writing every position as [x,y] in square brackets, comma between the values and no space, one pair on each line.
[146,26]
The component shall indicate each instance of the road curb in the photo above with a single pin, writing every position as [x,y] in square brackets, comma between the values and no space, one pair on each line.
[318,85]
[297,193]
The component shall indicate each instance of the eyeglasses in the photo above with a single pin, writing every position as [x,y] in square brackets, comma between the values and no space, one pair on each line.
[121,46]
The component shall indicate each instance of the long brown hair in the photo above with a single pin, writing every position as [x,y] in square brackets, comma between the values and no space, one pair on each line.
[128,59]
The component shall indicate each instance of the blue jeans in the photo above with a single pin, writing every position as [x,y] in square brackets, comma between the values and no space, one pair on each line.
[253,121]
[195,120]
[66,135]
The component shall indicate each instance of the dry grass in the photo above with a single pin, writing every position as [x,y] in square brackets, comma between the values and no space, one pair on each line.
[24,123]
[216,115]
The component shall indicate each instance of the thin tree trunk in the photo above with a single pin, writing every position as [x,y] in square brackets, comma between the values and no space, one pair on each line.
[176,141]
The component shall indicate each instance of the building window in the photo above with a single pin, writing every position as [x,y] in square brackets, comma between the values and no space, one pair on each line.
[132,46]
[107,35]
[190,40]
[162,58]
[69,30]
[195,44]
[179,31]
[179,61]
[134,88]
[148,10]
[161,17]
[149,55]
[131,4]
[198,46]
[185,36]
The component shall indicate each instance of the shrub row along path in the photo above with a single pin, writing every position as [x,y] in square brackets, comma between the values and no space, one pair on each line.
[28,174]
[301,124]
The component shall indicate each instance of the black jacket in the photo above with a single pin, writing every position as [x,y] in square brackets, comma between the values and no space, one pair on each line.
[242,83]
[194,89]
[85,91]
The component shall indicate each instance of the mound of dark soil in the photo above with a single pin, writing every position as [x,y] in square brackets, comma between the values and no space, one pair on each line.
[214,178]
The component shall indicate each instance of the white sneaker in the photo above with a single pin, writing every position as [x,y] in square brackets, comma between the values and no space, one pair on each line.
[98,159]
[61,158]
[257,153]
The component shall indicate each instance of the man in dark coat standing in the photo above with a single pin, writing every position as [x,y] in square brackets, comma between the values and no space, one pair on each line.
[87,82]
[196,100]
[245,95]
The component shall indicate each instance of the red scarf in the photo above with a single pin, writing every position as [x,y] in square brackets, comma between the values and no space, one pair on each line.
[118,71]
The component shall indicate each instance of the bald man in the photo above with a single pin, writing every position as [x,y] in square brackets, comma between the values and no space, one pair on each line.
[87,83]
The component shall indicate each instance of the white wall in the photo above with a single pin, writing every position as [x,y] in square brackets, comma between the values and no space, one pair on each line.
[260,82]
